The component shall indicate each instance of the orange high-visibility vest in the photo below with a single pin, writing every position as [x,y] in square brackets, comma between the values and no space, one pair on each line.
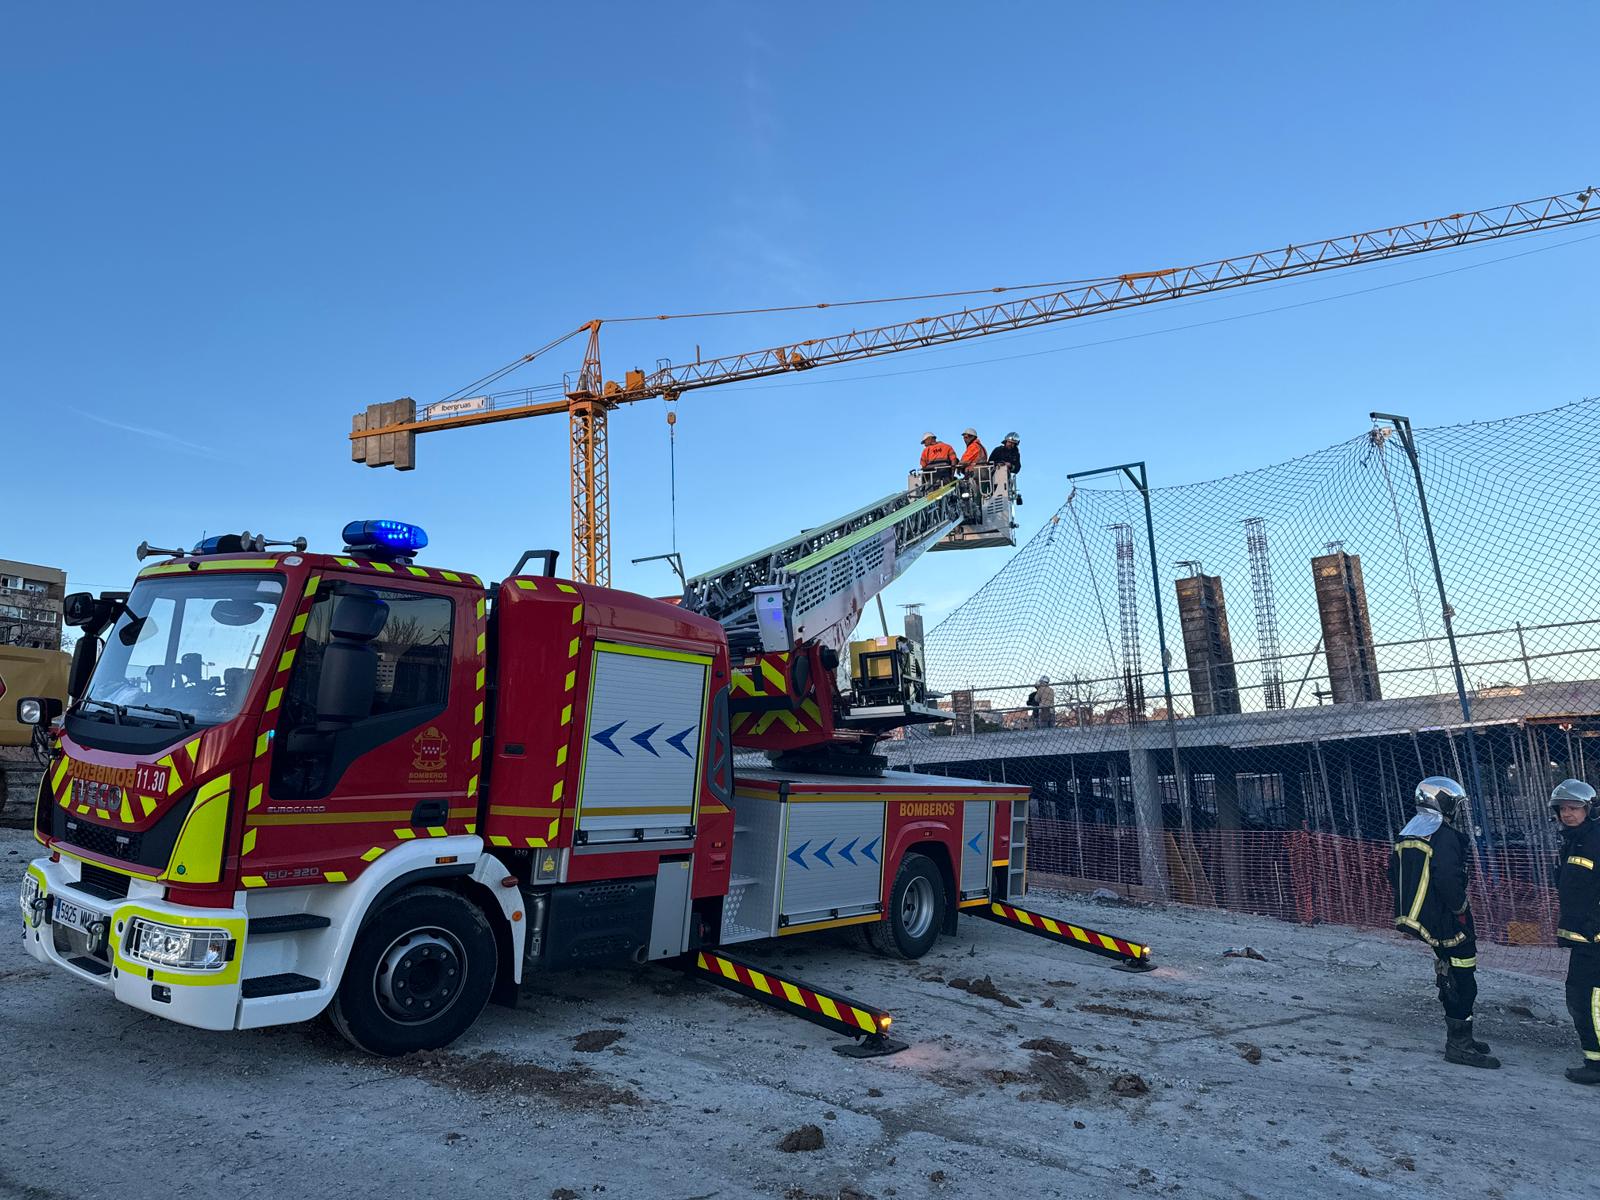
[974,453]
[939,452]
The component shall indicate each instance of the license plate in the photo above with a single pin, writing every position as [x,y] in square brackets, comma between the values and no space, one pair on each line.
[75,916]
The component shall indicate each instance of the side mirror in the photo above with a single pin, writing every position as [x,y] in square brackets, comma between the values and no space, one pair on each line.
[37,710]
[84,656]
[77,609]
[82,610]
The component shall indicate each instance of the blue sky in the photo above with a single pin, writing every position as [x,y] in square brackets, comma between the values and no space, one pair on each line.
[227,229]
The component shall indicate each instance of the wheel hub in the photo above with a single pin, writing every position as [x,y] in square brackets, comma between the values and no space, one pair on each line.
[916,908]
[420,975]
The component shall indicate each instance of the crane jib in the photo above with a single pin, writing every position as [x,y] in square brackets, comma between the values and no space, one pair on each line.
[385,434]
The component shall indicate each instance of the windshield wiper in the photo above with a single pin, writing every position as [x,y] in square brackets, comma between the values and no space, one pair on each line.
[184,719]
[118,713]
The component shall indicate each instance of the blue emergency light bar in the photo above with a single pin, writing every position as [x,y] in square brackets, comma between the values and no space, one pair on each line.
[385,539]
[226,543]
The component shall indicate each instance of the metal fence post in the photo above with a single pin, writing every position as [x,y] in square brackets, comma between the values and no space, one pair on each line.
[1151,852]
[1402,426]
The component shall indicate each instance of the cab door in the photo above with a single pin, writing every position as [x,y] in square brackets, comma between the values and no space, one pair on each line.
[336,786]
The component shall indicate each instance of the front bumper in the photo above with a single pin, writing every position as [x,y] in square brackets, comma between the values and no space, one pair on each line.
[204,999]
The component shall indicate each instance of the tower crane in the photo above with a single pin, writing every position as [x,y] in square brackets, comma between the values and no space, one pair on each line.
[384,434]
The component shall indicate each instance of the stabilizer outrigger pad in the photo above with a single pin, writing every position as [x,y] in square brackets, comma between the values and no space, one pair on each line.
[829,1009]
[1130,956]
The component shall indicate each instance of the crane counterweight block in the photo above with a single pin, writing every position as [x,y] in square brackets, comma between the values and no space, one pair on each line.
[384,447]
[1133,956]
[831,1010]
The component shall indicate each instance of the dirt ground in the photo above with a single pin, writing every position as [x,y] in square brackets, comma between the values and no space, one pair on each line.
[1314,1073]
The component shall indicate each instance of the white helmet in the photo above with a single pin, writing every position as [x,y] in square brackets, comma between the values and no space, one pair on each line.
[969,431]
[929,437]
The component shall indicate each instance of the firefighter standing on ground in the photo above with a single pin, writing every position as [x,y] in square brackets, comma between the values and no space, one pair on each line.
[1578,885]
[1429,874]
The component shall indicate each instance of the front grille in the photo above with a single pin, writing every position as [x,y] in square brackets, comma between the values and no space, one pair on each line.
[99,839]
[98,881]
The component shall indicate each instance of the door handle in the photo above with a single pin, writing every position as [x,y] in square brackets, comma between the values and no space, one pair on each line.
[430,812]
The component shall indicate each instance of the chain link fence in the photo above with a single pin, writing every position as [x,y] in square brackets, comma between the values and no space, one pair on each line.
[1242,718]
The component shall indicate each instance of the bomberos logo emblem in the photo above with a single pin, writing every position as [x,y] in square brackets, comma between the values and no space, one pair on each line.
[429,750]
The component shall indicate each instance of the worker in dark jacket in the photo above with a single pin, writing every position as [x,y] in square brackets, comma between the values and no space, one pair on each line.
[1007,460]
[1578,885]
[1429,874]
[1006,454]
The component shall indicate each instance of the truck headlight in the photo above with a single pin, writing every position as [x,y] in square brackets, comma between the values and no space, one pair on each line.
[175,946]
[32,899]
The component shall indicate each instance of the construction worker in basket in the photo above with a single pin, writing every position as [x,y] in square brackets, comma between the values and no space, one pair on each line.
[973,454]
[1429,872]
[1578,885]
[938,458]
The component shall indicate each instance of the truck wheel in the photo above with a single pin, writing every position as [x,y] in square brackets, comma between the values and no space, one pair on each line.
[419,974]
[916,910]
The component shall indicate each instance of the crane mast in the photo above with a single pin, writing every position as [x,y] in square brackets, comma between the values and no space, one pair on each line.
[384,434]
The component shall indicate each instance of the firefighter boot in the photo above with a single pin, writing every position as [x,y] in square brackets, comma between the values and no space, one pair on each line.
[1458,1046]
[1478,1046]
[1589,1073]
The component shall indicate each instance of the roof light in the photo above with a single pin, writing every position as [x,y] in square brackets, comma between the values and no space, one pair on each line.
[385,539]
[229,543]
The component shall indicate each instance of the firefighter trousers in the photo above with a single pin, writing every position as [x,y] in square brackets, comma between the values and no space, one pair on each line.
[1456,976]
[1583,1000]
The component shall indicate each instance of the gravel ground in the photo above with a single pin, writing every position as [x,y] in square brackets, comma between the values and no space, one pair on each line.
[1315,1073]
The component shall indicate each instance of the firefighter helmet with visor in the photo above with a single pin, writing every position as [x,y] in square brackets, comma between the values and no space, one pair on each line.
[1443,795]
[1572,791]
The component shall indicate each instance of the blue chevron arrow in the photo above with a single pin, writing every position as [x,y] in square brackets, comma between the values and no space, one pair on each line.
[643,739]
[847,854]
[605,735]
[821,852]
[973,843]
[677,739]
[867,849]
[797,855]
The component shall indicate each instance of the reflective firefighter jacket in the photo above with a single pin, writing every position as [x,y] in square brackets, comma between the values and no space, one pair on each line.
[1428,872]
[1578,885]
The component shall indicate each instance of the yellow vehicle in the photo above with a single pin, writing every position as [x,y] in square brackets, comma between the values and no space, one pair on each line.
[31,661]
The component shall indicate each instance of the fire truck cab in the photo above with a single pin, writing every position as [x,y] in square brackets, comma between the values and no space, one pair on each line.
[295,783]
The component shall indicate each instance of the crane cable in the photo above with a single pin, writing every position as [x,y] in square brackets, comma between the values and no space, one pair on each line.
[672,468]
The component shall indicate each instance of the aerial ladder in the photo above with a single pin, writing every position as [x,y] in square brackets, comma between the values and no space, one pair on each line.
[385,434]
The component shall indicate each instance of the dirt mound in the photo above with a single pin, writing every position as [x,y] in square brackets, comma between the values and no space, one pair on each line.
[1116,1010]
[984,987]
[807,1137]
[493,1074]
[1250,1053]
[1130,1085]
[1048,1077]
[1059,1049]
[595,1040]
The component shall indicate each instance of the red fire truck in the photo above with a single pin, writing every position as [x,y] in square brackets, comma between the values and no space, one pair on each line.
[293,783]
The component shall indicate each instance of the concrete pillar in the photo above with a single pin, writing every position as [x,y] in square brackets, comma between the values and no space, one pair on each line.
[1228,826]
[1144,771]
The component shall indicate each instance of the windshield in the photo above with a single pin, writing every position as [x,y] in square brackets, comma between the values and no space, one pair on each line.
[186,650]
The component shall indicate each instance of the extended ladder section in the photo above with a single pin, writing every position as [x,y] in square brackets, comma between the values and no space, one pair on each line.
[815,586]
